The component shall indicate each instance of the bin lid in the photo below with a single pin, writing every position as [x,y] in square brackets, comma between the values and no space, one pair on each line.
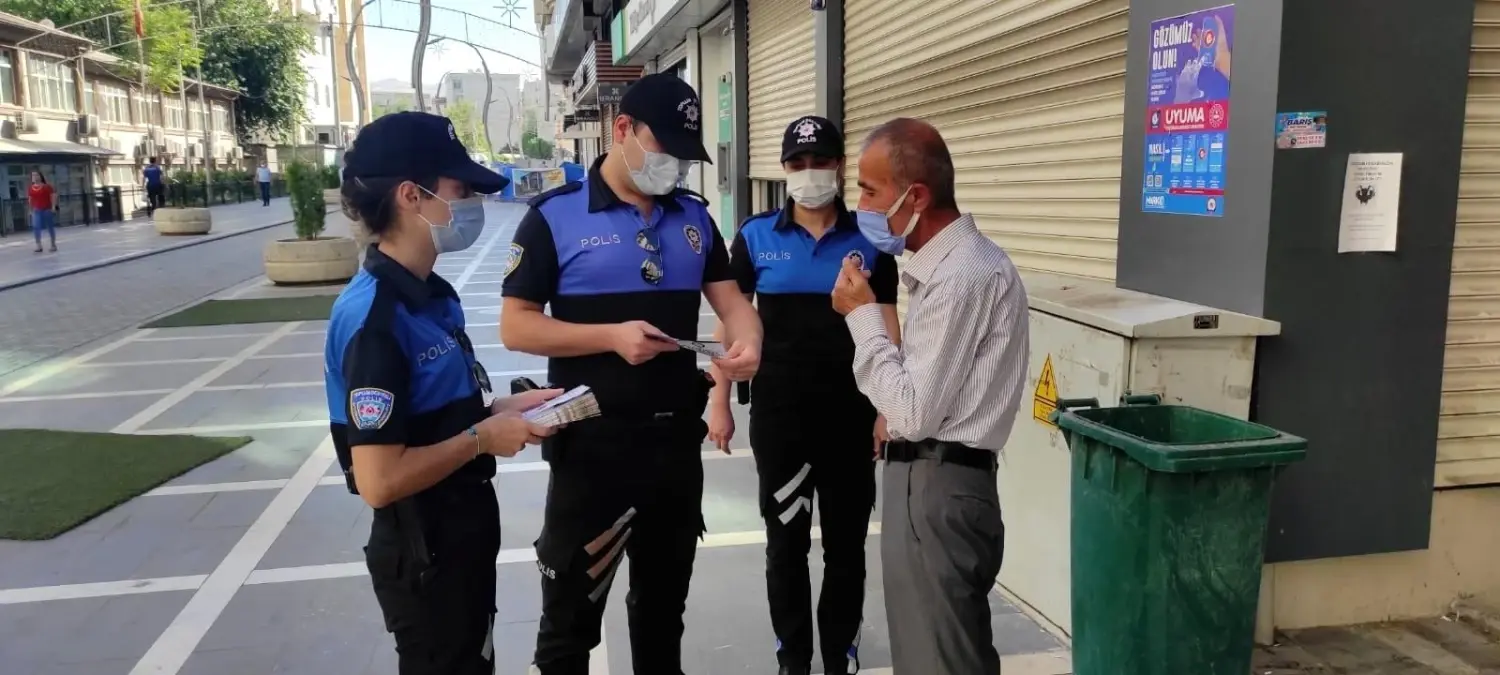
[1134,314]
[1182,439]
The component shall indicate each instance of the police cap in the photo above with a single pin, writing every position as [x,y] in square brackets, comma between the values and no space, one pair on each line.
[414,145]
[812,135]
[671,108]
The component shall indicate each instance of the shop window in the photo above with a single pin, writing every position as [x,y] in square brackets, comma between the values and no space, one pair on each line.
[7,77]
[51,82]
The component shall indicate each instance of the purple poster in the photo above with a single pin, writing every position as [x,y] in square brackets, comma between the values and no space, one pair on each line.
[1187,113]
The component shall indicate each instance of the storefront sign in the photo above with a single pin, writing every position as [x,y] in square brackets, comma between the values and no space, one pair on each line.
[1300,130]
[1187,113]
[610,93]
[586,115]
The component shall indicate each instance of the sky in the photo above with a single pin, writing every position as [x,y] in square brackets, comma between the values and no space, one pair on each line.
[390,51]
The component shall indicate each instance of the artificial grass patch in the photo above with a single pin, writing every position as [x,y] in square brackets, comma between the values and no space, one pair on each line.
[253,310]
[53,481]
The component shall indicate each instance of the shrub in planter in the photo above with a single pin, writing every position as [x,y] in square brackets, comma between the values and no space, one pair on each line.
[310,258]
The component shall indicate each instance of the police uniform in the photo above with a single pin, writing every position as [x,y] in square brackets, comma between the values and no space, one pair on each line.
[810,427]
[400,370]
[629,482]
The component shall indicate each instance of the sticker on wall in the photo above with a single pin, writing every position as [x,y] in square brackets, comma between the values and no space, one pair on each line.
[1187,113]
[1044,401]
[1301,130]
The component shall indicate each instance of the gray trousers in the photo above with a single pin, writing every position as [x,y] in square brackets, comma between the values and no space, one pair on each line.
[941,542]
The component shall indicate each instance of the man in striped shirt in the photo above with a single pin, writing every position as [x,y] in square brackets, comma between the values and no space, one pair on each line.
[949,395]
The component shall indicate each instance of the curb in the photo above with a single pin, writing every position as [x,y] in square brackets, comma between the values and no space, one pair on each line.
[86,267]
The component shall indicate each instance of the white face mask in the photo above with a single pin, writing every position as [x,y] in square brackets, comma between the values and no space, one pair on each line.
[660,172]
[813,188]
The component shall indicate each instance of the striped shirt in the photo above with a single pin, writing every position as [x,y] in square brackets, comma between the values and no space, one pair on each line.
[960,372]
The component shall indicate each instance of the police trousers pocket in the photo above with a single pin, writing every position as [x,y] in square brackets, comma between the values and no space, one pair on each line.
[395,580]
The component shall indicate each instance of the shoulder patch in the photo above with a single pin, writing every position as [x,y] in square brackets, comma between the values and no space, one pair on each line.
[370,408]
[684,192]
[565,188]
[513,260]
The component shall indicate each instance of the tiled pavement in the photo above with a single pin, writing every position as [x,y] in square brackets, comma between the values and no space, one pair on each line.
[251,564]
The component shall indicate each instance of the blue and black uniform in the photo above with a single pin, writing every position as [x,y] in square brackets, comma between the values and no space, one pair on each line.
[810,427]
[631,480]
[400,370]
[155,190]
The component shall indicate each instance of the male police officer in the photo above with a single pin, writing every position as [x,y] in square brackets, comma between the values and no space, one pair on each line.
[622,258]
[810,428]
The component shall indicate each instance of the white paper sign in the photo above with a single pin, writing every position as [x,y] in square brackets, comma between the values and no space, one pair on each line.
[1372,199]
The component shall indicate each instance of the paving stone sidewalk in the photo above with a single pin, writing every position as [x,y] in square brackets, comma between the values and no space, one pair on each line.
[252,564]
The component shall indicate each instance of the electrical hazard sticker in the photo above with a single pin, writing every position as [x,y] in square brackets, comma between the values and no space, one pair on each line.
[1044,400]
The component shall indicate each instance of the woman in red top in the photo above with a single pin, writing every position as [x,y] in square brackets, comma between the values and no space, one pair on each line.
[43,201]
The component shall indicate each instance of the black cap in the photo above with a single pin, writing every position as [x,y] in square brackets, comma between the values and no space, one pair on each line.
[812,135]
[417,145]
[671,108]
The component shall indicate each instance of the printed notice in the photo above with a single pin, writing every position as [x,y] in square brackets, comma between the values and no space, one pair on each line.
[1372,199]
[1300,130]
[1187,113]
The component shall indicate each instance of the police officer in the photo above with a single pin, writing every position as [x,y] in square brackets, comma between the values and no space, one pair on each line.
[623,258]
[406,396]
[810,428]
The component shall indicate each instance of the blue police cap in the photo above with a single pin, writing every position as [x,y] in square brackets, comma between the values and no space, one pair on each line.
[415,145]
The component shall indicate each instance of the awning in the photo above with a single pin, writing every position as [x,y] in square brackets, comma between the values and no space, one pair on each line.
[10,146]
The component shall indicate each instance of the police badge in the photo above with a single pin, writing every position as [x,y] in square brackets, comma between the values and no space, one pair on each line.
[370,408]
[513,260]
[694,238]
[858,258]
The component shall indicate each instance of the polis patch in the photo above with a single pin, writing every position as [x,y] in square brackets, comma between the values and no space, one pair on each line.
[858,258]
[513,260]
[694,238]
[370,408]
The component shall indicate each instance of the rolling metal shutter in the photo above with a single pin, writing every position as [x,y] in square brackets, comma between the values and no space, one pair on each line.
[781,78]
[1469,429]
[1029,95]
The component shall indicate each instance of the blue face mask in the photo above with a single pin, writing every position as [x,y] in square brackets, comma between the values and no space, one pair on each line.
[464,226]
[876,227]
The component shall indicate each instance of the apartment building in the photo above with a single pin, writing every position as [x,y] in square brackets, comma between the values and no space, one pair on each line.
[335,111]
[506,122]
[82,118]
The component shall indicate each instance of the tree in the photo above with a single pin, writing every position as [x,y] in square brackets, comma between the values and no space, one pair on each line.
[252,47]
[466,124]
[169,43]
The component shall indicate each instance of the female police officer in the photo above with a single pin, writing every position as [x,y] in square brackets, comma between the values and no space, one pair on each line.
[406,396]
[810,428]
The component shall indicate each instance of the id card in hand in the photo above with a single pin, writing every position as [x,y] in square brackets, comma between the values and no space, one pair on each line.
[713,350]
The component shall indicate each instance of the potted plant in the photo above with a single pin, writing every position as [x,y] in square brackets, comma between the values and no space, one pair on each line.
[185,220]
[310,257]
[332,181]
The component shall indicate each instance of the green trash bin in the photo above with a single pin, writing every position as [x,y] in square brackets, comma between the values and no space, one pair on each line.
[1169,526]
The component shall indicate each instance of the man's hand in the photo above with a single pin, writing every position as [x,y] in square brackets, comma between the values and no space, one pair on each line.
[721,426]
[852,290]
[633,342]
[740,361]
[523,401]
[881,437]
[508,433]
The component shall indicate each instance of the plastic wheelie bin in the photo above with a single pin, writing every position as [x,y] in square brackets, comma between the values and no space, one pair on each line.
[1168,534]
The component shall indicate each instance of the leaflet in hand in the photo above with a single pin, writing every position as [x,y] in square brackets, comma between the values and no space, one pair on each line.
[574,405]
[712,350]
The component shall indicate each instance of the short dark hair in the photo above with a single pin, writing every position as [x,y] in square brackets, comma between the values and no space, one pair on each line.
[917,154]
[368,200]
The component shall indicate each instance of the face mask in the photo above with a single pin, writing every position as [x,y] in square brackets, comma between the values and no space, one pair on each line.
[465,223]
[876,227]
[813,188]
[660,172]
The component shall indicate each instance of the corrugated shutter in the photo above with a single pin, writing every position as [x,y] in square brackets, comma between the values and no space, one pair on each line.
[781,78]
[1029,95]
[1469,429]
[607,126]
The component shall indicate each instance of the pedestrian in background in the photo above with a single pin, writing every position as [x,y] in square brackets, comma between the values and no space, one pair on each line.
[43,202]
[155,189]
[263,179]
[810,428]
[949,395]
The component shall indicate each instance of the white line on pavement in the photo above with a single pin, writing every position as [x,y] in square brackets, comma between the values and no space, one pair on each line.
[83,395]
[16,596]
[232,428]
[155,410]
[47,371]
[215,336]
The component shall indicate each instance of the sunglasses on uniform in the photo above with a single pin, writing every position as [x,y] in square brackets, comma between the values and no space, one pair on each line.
[652,269]
[481,376]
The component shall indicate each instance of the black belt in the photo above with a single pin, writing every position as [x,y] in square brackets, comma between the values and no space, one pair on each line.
[942,451]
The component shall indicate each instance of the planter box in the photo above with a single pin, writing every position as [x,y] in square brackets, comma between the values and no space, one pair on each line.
[333,197]
[183,221]
[311,261]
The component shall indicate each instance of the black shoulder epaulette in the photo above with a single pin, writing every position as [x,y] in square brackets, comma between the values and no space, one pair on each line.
[684,192]
[762,214]
[564,189]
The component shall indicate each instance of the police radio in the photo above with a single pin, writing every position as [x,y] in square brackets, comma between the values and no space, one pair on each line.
[522,385]
[742,392]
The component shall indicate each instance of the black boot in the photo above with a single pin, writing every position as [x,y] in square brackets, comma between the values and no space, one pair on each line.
[788,670]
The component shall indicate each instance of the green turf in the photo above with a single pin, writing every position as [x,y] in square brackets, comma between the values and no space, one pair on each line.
[53,481]
[255,310]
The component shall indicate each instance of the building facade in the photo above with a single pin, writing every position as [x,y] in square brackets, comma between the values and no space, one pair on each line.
[83,120]
[507,112]
[1387,361]
[335,110]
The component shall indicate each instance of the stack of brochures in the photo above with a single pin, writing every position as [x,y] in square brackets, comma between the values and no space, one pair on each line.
[574,405]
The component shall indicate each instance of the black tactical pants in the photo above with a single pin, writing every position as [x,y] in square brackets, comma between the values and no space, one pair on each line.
[806,448]
[620,488]
[432,562]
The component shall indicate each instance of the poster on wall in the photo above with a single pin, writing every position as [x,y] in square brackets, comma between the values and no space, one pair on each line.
[529,183]
[1301,130]
[1187,113]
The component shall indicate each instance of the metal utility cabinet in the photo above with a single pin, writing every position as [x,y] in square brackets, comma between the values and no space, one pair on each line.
[1092,340]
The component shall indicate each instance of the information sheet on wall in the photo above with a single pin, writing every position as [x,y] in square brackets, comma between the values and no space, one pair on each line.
[1187,113]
